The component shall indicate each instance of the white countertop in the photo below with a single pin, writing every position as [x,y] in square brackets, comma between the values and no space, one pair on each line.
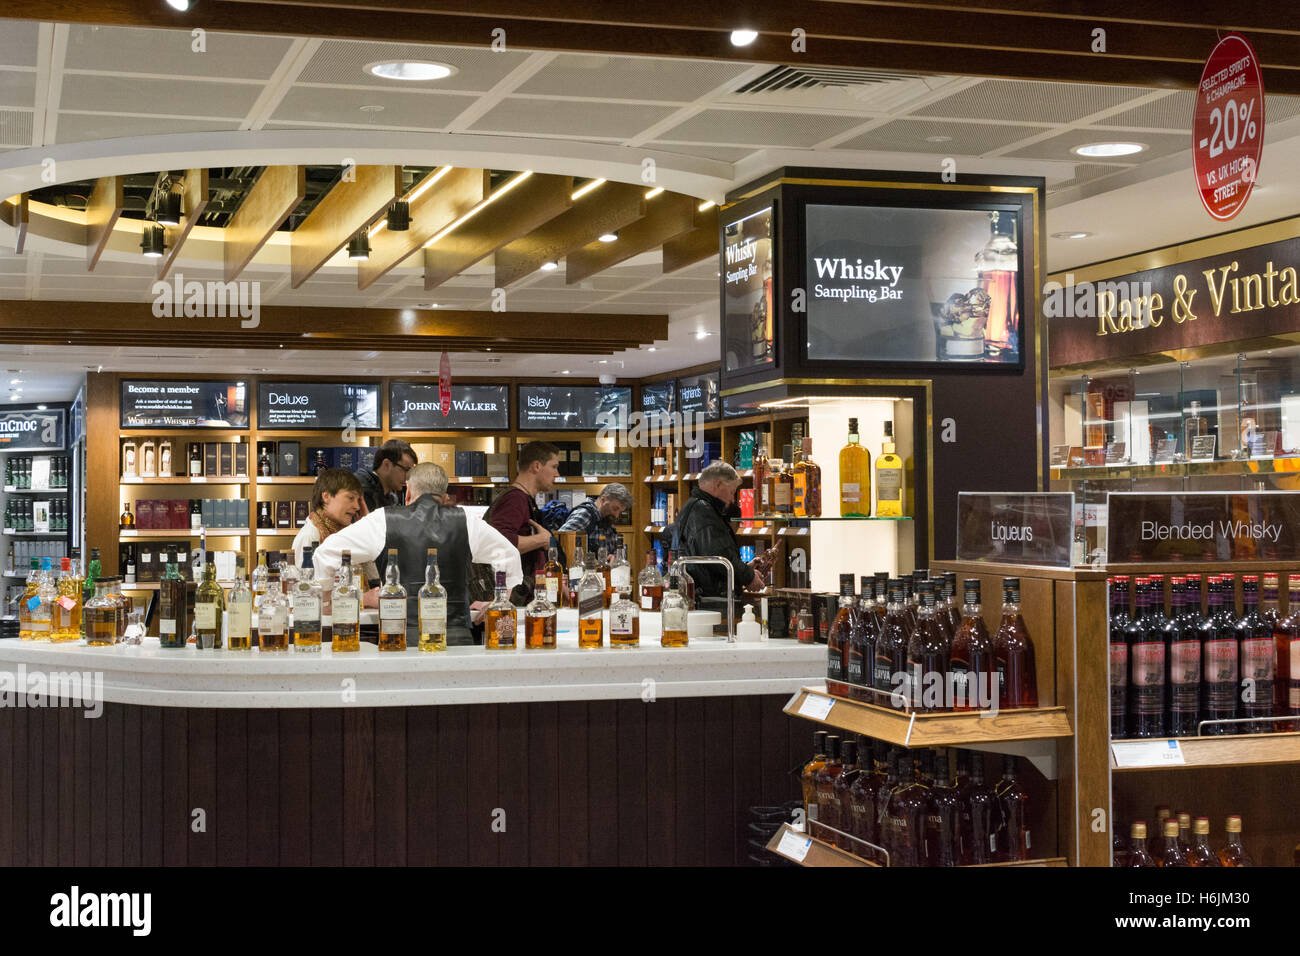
[150,675]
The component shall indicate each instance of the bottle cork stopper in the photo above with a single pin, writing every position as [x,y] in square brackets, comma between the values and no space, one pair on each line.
[1171,827]
[1138,831]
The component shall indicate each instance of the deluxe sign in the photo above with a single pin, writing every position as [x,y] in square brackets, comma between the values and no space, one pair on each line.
[32,431]
[1238,526]
[414,406]
[1012,528]
[317,405]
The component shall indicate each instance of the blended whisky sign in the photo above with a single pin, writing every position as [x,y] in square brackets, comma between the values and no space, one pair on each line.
[1012,528]
[151,403]
[317,405]
[32,430]
[1234,526]
[414,406]
[1247,294]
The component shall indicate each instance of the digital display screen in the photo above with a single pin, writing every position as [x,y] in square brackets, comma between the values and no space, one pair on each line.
[153,403]
[659,397]
[416,406]
[573,407]
[317,405]
[749,313]
[699,393]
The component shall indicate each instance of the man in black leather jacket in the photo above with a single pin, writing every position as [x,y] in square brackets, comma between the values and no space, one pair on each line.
[703,528]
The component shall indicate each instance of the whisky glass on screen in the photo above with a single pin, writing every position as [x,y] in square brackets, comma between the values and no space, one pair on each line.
[392,608]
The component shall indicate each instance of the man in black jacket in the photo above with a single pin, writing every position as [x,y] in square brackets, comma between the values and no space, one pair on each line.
[595,517]
[703,528]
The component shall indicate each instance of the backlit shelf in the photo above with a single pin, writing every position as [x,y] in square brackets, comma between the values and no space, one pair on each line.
[183,533]
[186,480]
[1190,753]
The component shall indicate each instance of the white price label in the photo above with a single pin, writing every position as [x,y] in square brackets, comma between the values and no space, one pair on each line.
[499,479]
[589,479]
[166,625]
[1147,753]
[560,479]
[461,479]
[794,846]
[647,602]
[816,706]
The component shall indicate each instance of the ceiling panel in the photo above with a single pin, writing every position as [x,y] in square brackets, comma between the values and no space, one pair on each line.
[79,127]
[727,154]
[761,128]
[941,137]
[17,88]
[122,94]
[400,108]
[18,42]
[1031,102]
[632,77]
[131,50]
[1058,147]
[577,119]
[344,62]
[16,127]
[1084,173]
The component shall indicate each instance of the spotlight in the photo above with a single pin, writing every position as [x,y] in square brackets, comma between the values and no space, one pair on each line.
[359,246]
[169,209]
[151,241]
[609,237]
[399,216]
[182,6]
[743,37]
[550,266]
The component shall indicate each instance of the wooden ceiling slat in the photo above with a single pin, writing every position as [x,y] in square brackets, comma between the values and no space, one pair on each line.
[668,215]
[530,204]
[102,211]
[193,201]
[348,207]
[456,192]
[14,212]
[695,246]
[608,208]
[268,204]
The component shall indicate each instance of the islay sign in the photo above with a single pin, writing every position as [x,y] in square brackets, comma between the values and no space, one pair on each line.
[1015,528]
[1236,526]
[1228,127]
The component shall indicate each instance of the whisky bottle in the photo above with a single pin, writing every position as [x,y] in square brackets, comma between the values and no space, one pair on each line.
[850,770]
[972,658]
[209,604]
[273,618]
[306,612]
[539,619]
[264,468]
[624,619]
[674,616]
[1013,836]
[172,630]
[196,460]
[762,466]
[264,519]
[591,600]
[1287,639]
[1200,853]
[500,622]
[289,576]
[433,605]
[101,617]
[807,484]
[602,569]
[196,514]
[41,607]
[552,575]
[980,846]
[891,644]
[25,603]
[927,657]
[620,572]
[1255,645]
[827,806]
[889,478]
[127,521]
[1234,852]
[577,568]
[808,779]
[1171,852]
[659,460]
[781,481]
[859,816]
[1146,662]
[1119,622]
[346,613]
[855,476]
[392,607]
[650,584]
[239,612]
[953,608]
[66,622]
[837,641]
[1219,686]
[1184,830]
[905,815]
[860,657]
[942,818]
[1138,855]
[1014,649]
[129,576]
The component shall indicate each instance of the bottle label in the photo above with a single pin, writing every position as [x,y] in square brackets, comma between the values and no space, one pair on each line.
[781,495]
[800,490]
[834,665]
[67,603]
[590,605]
[889,484]
[205,616]
[620,577]
[575,575]
[553,590]
[240,618]
[854,671]
[392,615]
[1118,664]
[1147,672]
[345,610]
[620,622]
[1185,662]
[1219,661]
[166,625]
[504,629]
[306,607]
[433,615]
[674,619]
[648,603]
[1295,660]
[1257,659]
[851,492]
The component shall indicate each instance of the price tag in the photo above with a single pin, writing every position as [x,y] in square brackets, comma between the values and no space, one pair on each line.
[560,479]
[132,479]
[816,706]
[67,603]
[499,479]
[589,479]
[461,479]
[1147,753]
[794,846]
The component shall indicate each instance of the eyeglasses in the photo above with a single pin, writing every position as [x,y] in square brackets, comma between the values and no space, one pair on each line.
[406,469]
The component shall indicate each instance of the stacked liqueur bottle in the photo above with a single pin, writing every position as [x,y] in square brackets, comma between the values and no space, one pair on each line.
[1180,840]
[901,807]
[1186,673]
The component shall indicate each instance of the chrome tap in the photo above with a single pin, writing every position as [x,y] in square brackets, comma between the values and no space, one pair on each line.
[684,560]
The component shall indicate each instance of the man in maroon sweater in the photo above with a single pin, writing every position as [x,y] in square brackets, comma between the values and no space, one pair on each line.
[515,513]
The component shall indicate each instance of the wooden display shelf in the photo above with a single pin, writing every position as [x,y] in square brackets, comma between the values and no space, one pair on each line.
[1227,467]
[186,480]
[912,729]
[660,479]
[763,531]
[35,491]
[276,532]
[1246,750]
[184,533]
[286,480]
[655,528]
[30,534]
[821,853]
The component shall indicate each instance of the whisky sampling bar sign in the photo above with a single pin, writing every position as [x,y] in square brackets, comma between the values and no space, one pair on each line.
[1013,528]
[1236,526]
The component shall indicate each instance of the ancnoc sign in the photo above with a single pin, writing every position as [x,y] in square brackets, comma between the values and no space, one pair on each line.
[1246,294]
[32,431]
[1238,526]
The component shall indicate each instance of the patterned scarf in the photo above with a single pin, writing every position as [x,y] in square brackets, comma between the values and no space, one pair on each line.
[324,523]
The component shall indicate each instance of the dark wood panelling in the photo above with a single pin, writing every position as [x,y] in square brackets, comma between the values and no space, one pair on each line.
[513,783]
[573,770]
[131,783]
[296,776]
[6,786]
[421,785]
[234,795]
[602,783]
[22,821]
[327,791]
[689,824]
[661,781]
[632,783]
[266,799]
[49,718]
[719,787]
[390,786]
[175,785]
[482,799]
[151,785]
[453,786]
[358,787]
[544,813]
[202,766]
[67,787]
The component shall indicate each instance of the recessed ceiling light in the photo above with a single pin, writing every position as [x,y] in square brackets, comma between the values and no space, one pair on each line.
[41,408]
[1071,235]
[653,349]
[359,247]
[564,371]
[169,209]
[550,266]
[938,139]
[181,5]
[743,37]
[609,237]
[1108,149]
[371,108]
[410,70]
[701,334]
[152,244]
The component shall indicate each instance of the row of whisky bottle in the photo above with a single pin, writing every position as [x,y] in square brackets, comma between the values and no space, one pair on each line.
[18,472]
[21,514]
[1180,840]
[922,807]
[51,604]
[884,648]
[1171,671]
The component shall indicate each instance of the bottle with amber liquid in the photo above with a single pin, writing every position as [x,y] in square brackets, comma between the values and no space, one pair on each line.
[500,621]
[828,807]
[859,659]
[1171,851]
[172,629]
[1138,854]
[1013,836]
[928,651]
[239,612]
[650,583]
[780,488]
[1014,650]
[659,460]
[905,816]
[850,770]
[889,478]
[858,808]
[972,658]
[978,799]
[1234,852]
[942,816]
[539,618]
[674,616]
[807,484]
[855,476]
[1200,852]
[392,608]
[273,619]
[837,640]
[951,605]
[1286,638]
[891,644]
[209,605]
[624,620]
[346,614]
[808,779]
[591,601]
[127,521]
[552,575]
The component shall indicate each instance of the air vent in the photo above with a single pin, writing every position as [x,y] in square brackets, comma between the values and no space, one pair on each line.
[802,78]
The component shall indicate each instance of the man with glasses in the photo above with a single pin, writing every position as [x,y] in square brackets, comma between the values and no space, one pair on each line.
[382,485]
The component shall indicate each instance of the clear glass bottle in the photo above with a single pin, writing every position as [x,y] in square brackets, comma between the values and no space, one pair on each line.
[273,619]
[1194,426]
[305,614]
[602,568]
[539,618]
[1171,851]
[433,606]
[620,571]
[500,621]
[172,629]
[650,584]
[552,574]
[289,575]
[591,601]
[346,603]
[209,606]
[29,600]
[42,612]
[392,607]
[1138,854]
[855,476]
[674,616]
[624,619]
[889,478]
[261,573]
[577,568]
[239,611]
[1200,853]
[101,617]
